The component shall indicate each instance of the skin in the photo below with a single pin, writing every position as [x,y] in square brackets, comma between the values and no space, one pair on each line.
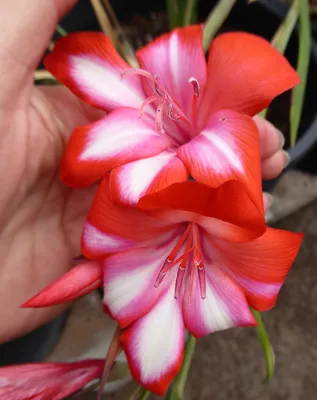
[41,219]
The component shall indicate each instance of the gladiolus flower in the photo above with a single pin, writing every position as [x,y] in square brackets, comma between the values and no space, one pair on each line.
[177,116]
[47,381]
[197,266]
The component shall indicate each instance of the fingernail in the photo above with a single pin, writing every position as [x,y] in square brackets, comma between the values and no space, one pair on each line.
[287,158]
[282,138]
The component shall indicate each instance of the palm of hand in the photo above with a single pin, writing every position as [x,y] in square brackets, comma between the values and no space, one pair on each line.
[41,219]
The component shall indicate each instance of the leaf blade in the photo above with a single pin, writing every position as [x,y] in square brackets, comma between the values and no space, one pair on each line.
[298,93]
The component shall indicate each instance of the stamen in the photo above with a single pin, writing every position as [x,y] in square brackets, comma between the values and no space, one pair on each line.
[196,94]
[174,112]
[195,85]
[147,102]
[198,262]
[193,252]
[137,71]
[179,281]
[169,262]
[180,243]
[159,118]
[182,267]
[171,114]
[202,280]
[158,89]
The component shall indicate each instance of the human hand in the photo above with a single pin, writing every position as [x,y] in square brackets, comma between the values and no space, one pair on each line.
[41,219]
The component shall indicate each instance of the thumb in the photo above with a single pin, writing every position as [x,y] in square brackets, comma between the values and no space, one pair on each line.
[26,28]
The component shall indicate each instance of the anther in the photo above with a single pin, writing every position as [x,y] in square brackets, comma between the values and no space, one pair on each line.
[157,89]
[195,85]
[147,102]
[171,113]
[202,280]
[179,281]
[159,118]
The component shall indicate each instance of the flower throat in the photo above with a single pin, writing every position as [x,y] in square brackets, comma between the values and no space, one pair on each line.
[191,258]
[165,103]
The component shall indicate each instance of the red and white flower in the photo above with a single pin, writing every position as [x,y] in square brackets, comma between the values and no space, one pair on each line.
[182,264]
[195,116]
[43,381]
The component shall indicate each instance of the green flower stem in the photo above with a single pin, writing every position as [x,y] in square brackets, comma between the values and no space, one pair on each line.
[215,20]
[265,344]
[176,390]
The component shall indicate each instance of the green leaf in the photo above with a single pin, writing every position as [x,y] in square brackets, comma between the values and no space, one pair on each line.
[283,34]
[145,394]
[177,387]
[298,93]
[215,20]
[61,30]
[173,12]
[190,12]
[140,394]
[265,344]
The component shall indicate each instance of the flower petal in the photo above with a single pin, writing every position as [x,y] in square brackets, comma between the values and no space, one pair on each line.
[82,279]
[129,279]
[154,344]
[111,228]
[97,244]
[239,77]
[237,220]
[227,149]
[88,64]
[181,57]
[224,307]
[41,381]
[136,179]
[259,267]
[119,138]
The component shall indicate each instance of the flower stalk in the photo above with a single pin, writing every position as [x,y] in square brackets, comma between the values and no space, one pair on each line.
[265,344]
[177,388]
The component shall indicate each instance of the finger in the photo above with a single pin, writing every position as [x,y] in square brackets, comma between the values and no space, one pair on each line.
[271,139]
[267,201]
[26,28]
[273,166]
